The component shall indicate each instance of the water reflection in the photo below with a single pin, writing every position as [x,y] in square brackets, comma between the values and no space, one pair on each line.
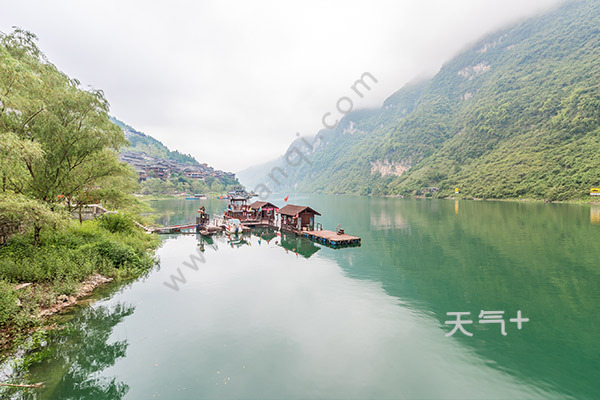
[288,242]
[79,353]
[444,256]
[541,259]
[386,218]
[595,215]
[271,316]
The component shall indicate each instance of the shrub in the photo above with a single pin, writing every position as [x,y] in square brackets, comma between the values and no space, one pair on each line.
[117,223]
[120,254]
[67,286]
[8,303]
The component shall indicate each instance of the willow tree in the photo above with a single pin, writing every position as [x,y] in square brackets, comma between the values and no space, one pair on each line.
[69,127]
[56,139]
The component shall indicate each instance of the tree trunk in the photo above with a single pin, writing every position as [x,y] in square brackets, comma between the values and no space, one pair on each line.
[36,235]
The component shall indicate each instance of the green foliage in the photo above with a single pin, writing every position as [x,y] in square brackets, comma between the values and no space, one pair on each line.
[116,223]
[77,251]
[142,143]
[119,254]
[20,213]
[59,137]
[58,152]
[178,183]
[8,303]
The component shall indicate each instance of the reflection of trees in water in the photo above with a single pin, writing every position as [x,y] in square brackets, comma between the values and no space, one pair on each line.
[80,353]
[538,258]
[298,245]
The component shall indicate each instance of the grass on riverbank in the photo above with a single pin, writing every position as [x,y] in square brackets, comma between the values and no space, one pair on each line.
[111,246]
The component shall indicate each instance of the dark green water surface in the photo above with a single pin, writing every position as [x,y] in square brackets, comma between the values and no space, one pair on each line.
[266,316]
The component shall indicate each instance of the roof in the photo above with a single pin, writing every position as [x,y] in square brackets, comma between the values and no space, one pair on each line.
[292,210]
[264,204]
[238,198]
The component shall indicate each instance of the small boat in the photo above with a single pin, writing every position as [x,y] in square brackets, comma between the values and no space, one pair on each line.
[225,197]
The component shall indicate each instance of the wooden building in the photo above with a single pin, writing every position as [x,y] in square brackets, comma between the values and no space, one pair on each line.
[238,208]
[263,211]
[297,218]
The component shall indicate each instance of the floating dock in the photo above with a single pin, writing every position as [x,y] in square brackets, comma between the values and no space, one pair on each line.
[295,219]
[260,224]
[331,238]
[187,228]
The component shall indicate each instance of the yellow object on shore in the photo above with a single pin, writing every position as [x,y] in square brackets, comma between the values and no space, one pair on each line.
[595,192]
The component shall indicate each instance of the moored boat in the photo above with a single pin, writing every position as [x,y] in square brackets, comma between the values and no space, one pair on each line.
[233,226]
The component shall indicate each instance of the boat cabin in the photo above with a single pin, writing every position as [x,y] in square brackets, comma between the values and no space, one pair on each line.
[237,208]
[297,218]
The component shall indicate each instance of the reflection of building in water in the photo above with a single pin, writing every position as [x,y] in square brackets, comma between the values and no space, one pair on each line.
[236,241]
[298,245]
[595,215]
[263,236]
[456,206]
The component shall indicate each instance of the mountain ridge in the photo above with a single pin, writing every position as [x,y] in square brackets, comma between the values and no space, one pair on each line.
[152,159]
[514,115]
[143,143]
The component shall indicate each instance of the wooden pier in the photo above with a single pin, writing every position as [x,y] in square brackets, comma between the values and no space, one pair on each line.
[265,223]
[332,238]
[298,220]
[187,228]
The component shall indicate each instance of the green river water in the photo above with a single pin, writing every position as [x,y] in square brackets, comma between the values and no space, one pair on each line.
[272,317]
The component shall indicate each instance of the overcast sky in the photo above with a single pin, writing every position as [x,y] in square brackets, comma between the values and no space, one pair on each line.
[231,82]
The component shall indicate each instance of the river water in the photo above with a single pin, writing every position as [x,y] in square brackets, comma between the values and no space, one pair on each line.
[271,317]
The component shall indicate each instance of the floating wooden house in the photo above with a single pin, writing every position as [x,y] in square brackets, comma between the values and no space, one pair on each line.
[297,218]
[238,208]
[263,212]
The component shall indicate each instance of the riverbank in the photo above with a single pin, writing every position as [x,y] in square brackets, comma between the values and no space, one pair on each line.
[592,200]
[66,265]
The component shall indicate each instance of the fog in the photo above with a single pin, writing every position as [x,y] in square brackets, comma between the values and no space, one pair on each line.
[232,82]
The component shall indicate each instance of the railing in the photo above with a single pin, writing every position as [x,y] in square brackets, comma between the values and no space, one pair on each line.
[289,227]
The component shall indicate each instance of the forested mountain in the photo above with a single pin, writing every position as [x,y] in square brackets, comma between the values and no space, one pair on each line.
[141,143]
[515,115]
